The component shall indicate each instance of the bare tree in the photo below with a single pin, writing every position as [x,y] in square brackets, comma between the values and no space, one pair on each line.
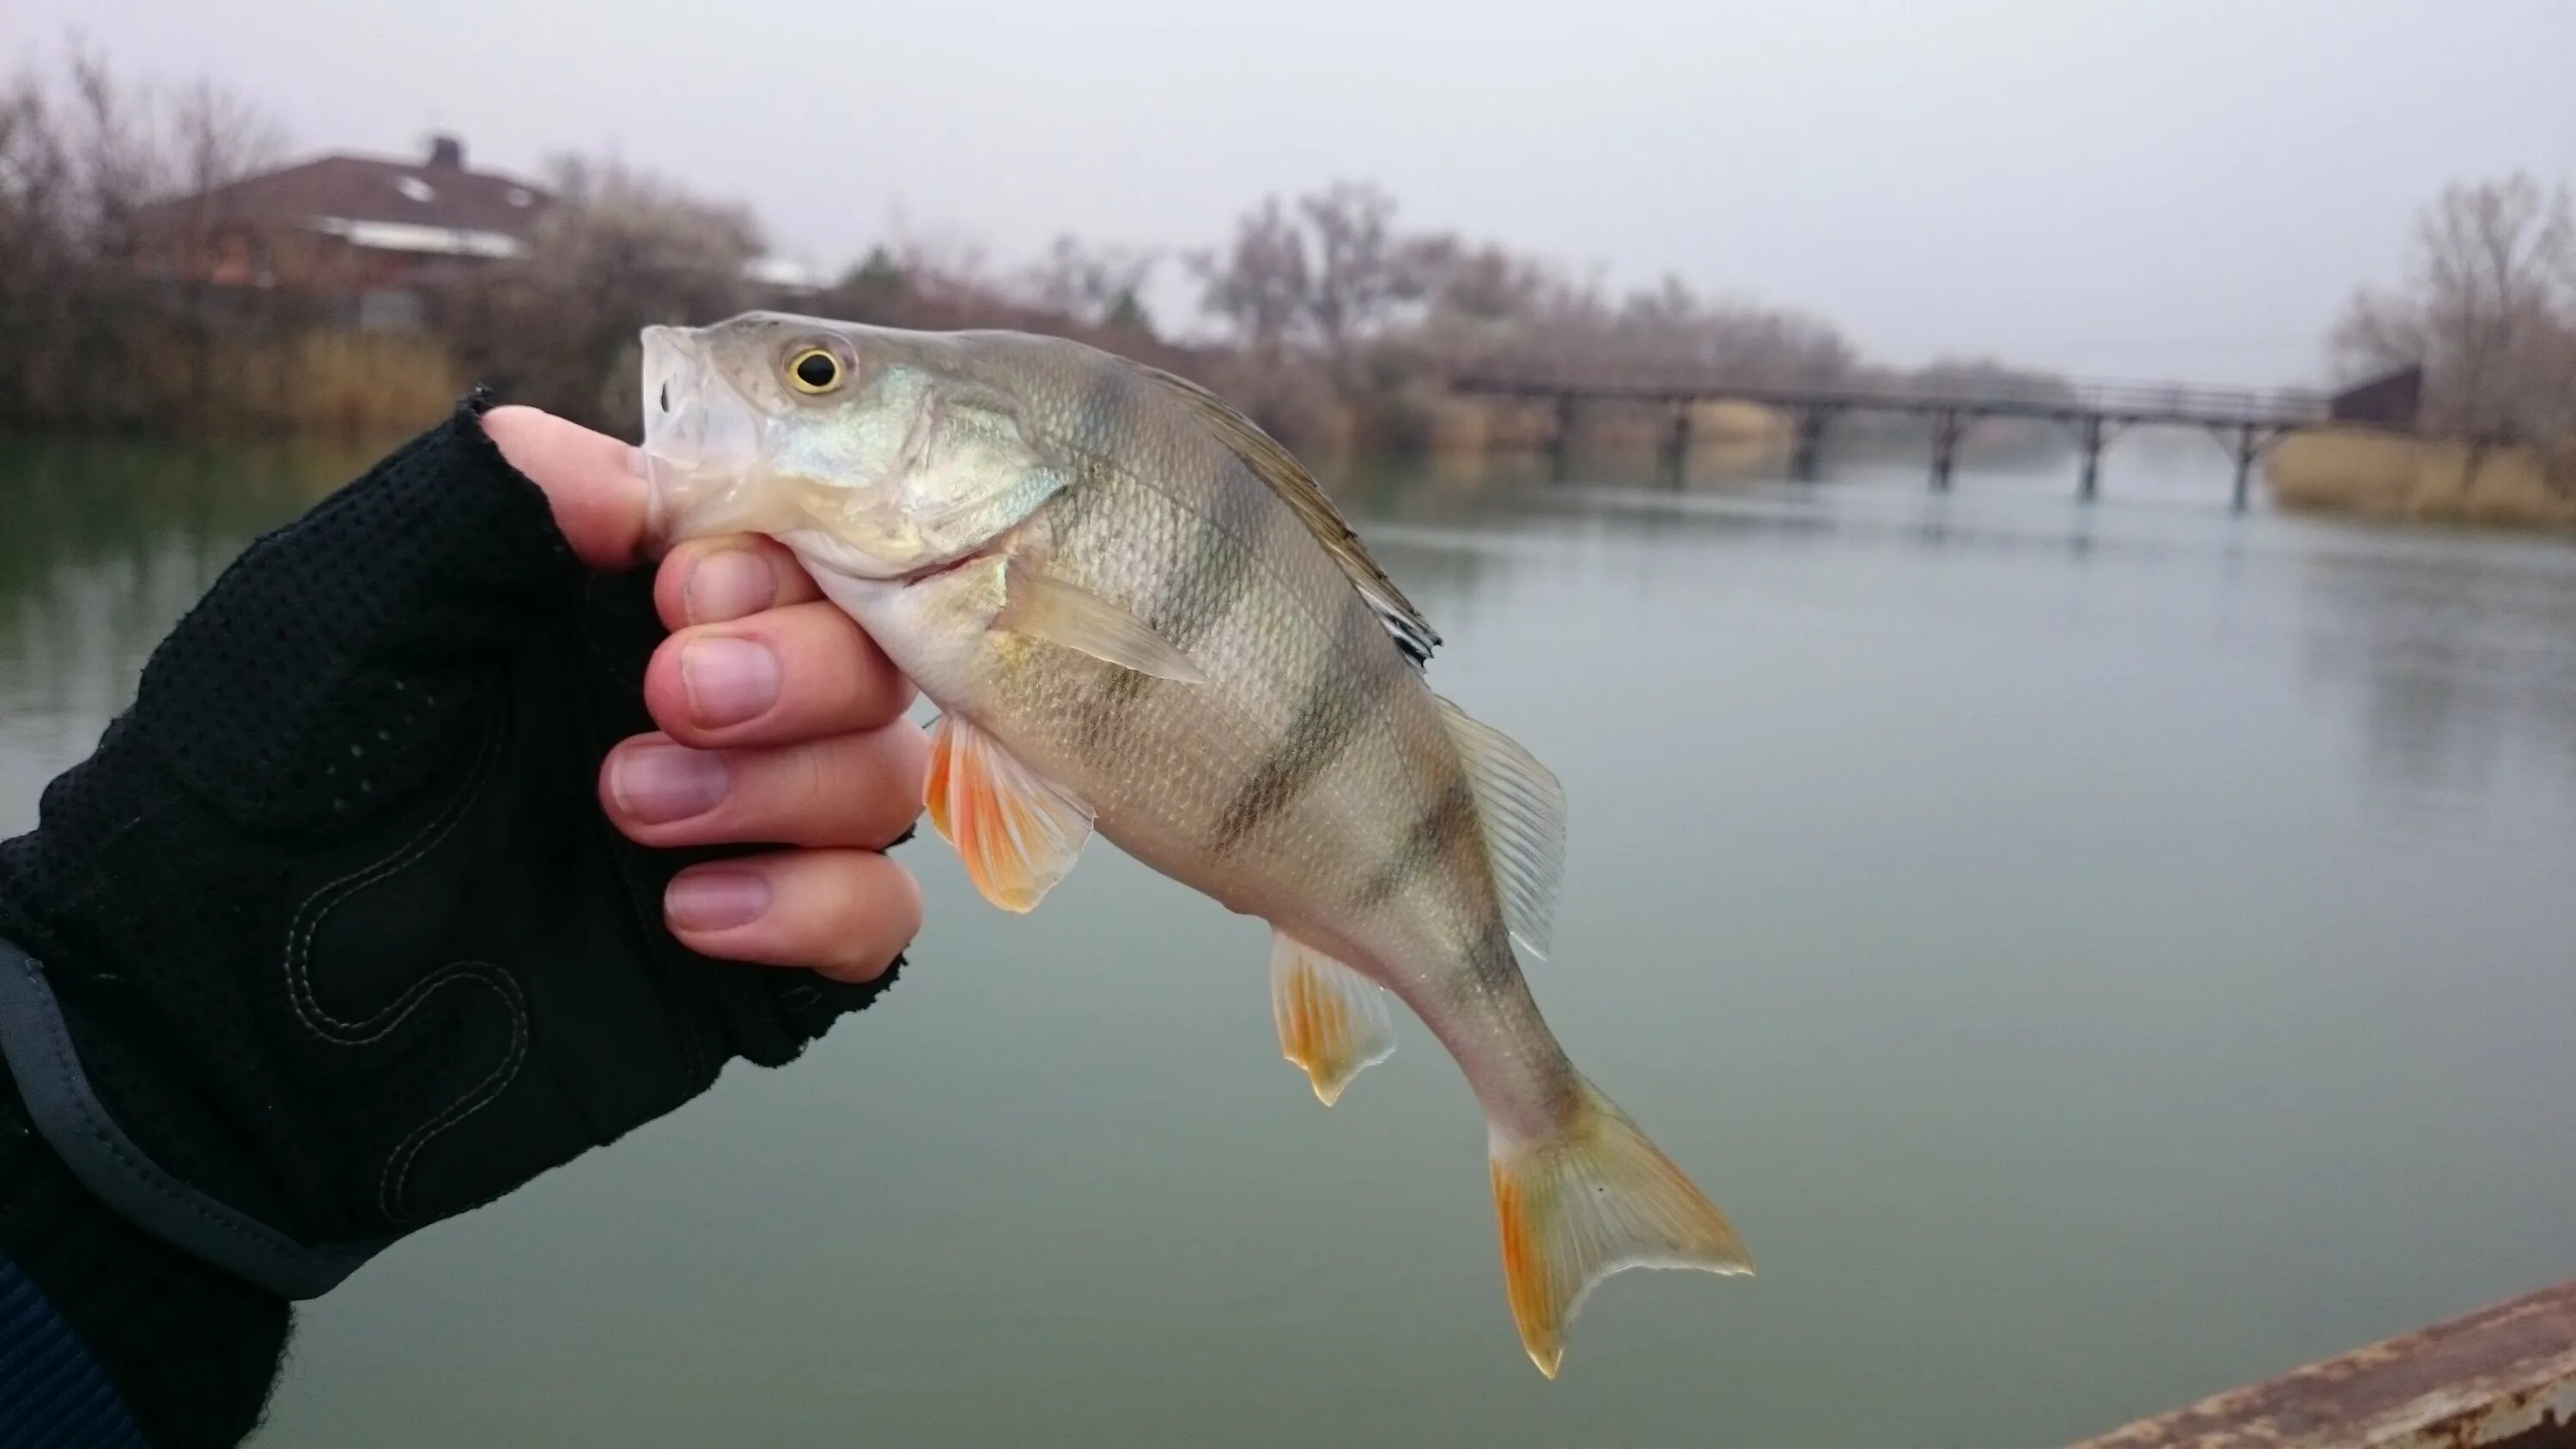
[39,251]
[217,139]
[1334,274]
[1100,286]
[1363,271]
[88,163]
[1259,282]
[214,140]
[2489,312]
[1481,285]
[619,249]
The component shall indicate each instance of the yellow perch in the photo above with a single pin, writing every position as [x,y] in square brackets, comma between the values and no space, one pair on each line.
[1140,616]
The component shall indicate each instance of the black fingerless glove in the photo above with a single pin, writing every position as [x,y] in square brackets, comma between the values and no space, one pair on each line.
[330,940]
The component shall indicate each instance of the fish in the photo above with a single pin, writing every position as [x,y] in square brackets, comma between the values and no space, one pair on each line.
[1140,617]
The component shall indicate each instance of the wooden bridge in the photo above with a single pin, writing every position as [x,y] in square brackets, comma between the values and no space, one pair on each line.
[2246,422]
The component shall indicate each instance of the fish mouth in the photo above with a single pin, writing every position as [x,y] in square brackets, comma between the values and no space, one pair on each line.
[702,439]
[697,427]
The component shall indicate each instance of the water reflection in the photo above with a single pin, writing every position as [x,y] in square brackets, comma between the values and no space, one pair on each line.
[106,544]
[2462,656]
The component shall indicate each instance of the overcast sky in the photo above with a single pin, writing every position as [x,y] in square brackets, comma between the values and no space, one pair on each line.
[2164,188]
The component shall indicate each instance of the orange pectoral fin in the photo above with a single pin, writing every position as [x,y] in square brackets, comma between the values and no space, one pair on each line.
[1017,832]
[934,787]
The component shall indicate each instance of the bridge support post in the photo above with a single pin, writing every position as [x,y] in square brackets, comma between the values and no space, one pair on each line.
[1947,428]
[1560,443]
[1809,452]
[2089,438]
[2248,448]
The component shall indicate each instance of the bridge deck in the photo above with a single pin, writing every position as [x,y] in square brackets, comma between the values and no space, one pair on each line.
[2117,402]
[2248,421]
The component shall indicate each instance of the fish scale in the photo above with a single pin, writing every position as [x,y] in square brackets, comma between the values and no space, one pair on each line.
[1139,616]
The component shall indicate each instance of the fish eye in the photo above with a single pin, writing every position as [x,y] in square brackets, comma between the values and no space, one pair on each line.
[814,369]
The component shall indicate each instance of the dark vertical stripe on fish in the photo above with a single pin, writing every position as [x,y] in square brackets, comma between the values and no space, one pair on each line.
[1082,509]
[1438,835]
[1110,708]
[1331,713]
[1490,960]
[1080,512]
[1103,407]
[1106,400]
[1211,571]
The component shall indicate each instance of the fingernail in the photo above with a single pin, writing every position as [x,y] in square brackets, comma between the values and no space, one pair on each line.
[657,784]
[728,585]
[715,900]
[728,680]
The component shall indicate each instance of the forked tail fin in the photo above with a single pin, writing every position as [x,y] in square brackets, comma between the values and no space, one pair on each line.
[1586,1202]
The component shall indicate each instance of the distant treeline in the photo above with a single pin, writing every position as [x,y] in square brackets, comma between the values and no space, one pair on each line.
[1322,316]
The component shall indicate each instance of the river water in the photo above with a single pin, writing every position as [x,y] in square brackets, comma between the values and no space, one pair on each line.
[2099,956]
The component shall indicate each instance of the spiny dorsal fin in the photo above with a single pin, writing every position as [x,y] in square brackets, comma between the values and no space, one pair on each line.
[1523,811]
[1277,467]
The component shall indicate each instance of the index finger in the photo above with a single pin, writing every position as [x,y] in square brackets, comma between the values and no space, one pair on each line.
[717,580]
[593,482]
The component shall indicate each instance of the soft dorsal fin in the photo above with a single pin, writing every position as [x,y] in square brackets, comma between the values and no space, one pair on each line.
[1522,808]
[1277,467]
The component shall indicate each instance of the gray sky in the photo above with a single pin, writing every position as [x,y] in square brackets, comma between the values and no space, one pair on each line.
[2185,189]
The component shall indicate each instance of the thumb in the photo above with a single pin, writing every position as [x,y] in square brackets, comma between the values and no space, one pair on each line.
[593,482]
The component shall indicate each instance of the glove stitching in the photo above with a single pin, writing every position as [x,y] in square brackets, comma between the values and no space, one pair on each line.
[394,1180]
[300,932]
[390,1184]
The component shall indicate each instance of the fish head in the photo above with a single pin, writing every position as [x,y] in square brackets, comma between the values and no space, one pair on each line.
[875,452]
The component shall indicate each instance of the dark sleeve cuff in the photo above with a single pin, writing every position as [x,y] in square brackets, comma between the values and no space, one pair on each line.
[51,1391]
[181,1353]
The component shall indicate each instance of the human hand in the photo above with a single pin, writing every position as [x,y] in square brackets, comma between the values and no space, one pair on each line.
[780,722]
[330,938]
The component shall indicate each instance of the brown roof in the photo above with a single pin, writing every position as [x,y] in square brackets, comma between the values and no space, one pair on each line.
[438,191]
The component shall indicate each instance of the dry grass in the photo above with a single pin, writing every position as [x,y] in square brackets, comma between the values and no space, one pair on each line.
[323,383]
[2383,475]
[1470,427]
[367,382]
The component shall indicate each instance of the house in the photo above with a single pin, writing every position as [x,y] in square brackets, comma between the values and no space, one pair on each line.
[366,231]
[366,238]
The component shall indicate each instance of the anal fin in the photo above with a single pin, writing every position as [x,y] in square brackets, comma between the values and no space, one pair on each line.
[1017,831]
[1333,1021]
